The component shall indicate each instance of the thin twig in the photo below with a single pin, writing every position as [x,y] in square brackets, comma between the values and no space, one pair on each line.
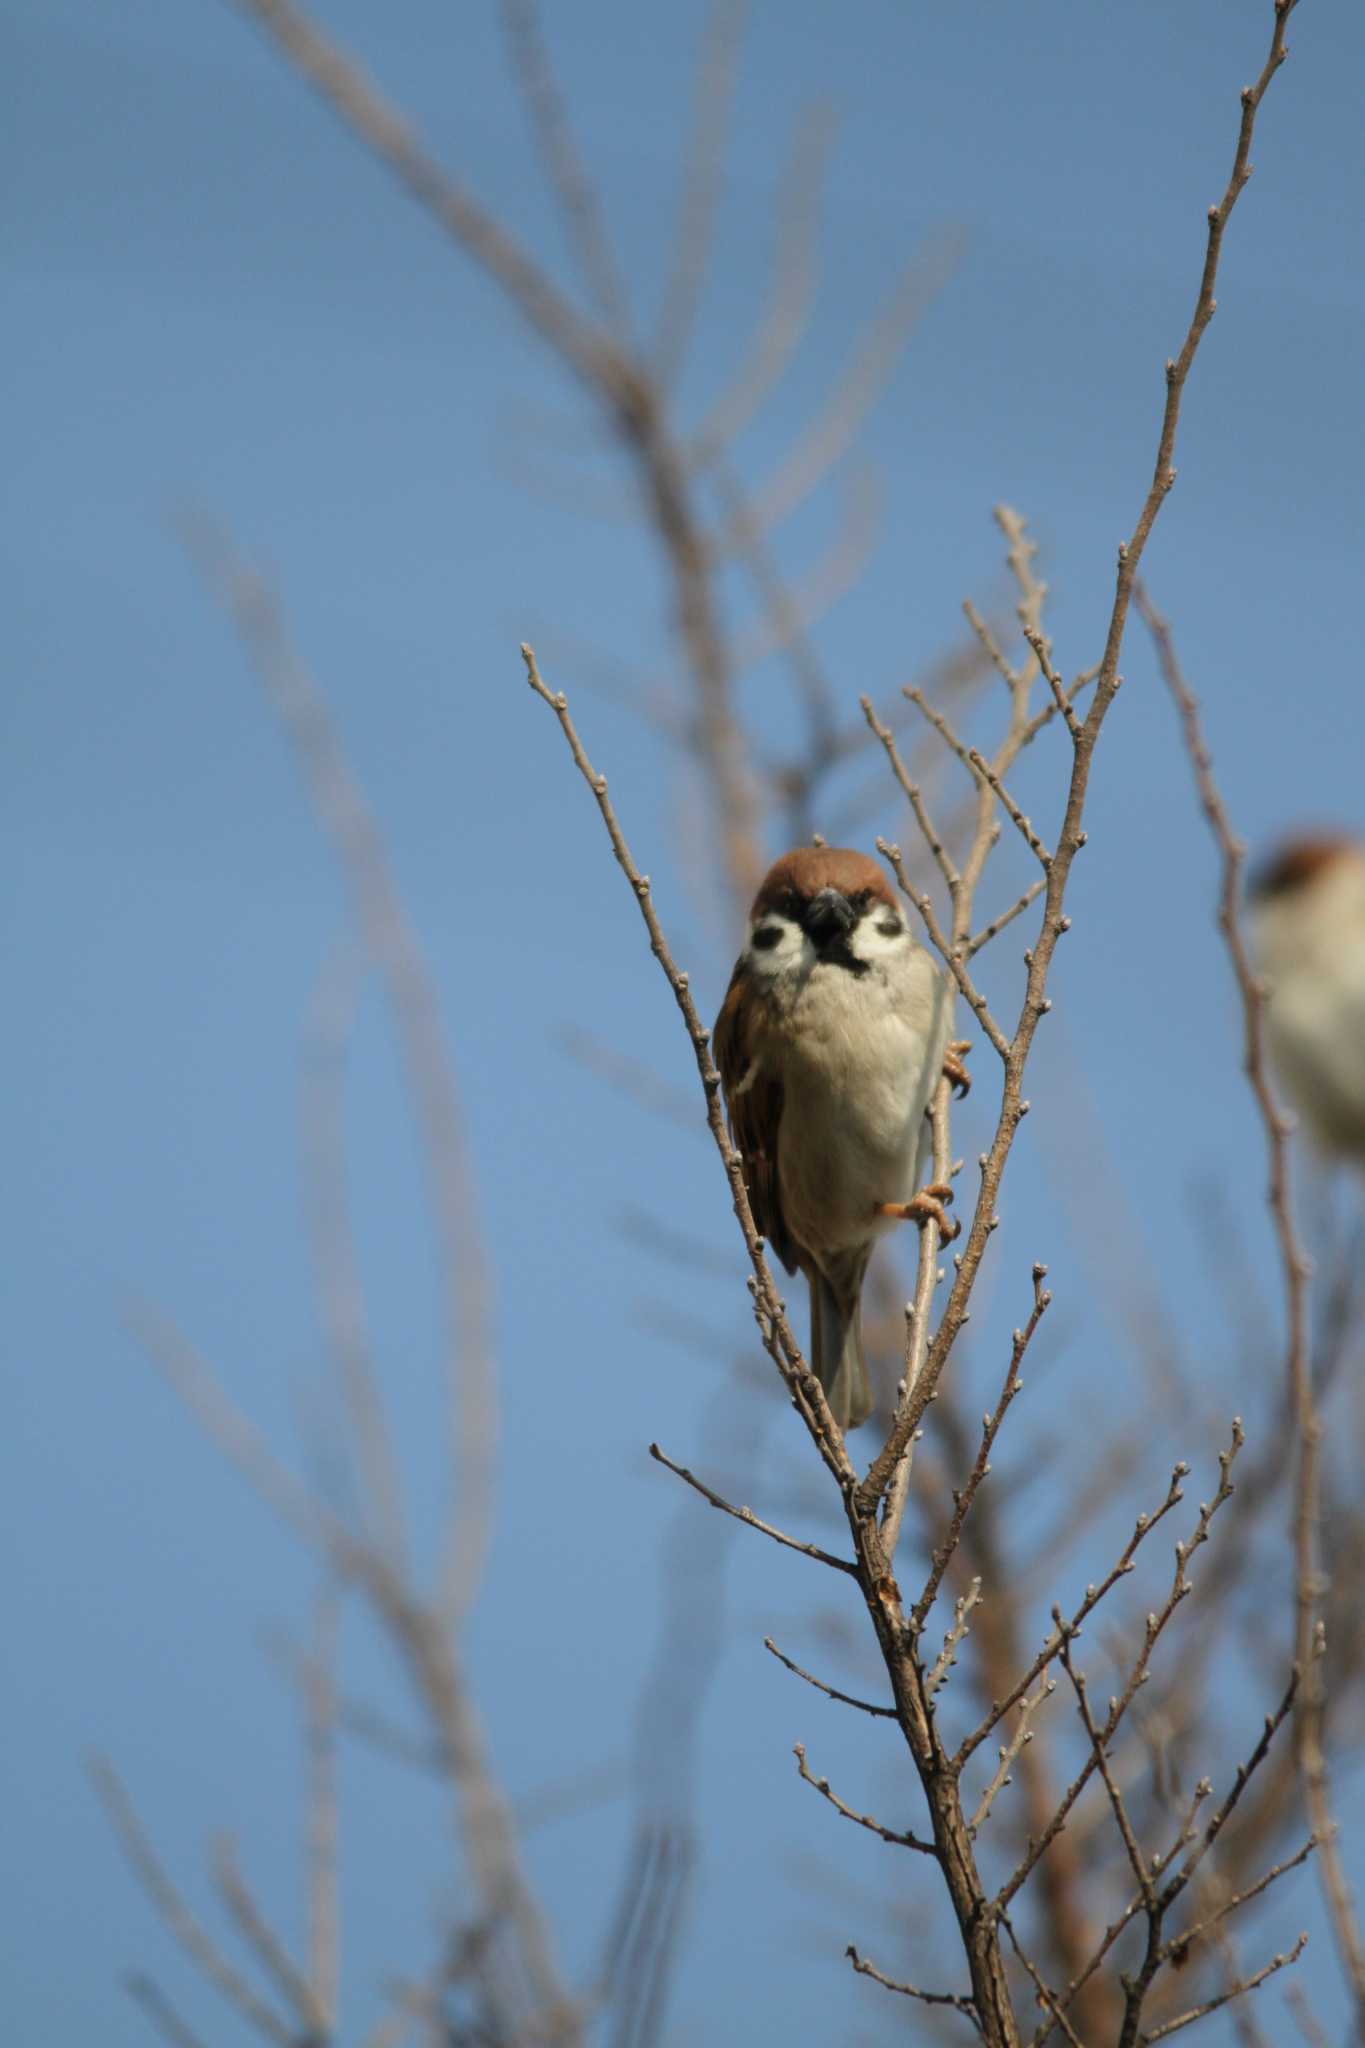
[927,1276]
[380,125]
[997,924]
[1237,1990]
[471,1376]
[873,358]
[565,173]
[976,764]
[990,1428]
[1142,1528]
[933,838]
[954,1999]
[261,1938]
[1047,1997]
[320,1691]
[714,95]
[845,1699]
[1294,1269]
[1099,1750]
[790,292]
[1009,1751]
[340,1294]
[750,1519]
[901,1839]
[951,955]
[1156,1622]
[1179,1945]
[145,1992]
[952,1641]
[180,1922]
[778,1337]
[1070,838]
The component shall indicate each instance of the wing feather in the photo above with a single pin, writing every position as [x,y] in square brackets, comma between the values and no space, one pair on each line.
[753,1110]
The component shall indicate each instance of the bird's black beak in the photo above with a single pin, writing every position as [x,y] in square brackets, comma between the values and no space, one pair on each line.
[829,915]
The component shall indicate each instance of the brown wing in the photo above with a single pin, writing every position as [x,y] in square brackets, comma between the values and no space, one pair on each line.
[753,1113]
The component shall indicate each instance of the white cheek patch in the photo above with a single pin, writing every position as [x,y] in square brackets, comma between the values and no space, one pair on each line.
[776,944]
[868,942]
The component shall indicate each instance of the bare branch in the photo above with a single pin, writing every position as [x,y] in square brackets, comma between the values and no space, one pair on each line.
[162,2014]
[1046,1997]
[1099,1751]
[751,1520]
[179,1921]
[715,87]
[1237,1990]
[899,1839]
[346,817]
[242,1443]
[1043,718]
[324,1943]
[1244,1773]
[1179,1945]
[951,1998]
[874,357]
[990,1429]
[1155,1624]
[976,764]
[380,126]
[789,613]
[1009,1751]
[953,1638]
[951,956]
[997,924]
[1142,1528]
[789,294]
[776,1331]
[930,833]
[786,624]
[632,1077]
[261,1938]
[845,1699]
[1308,1582]
[564,170]
[340,1294]
[1071,836]
[927,1277]
[1130,1911]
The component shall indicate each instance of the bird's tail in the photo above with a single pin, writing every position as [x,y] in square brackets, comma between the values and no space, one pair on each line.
[836,1341]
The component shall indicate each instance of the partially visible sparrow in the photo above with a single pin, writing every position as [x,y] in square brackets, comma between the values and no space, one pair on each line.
[832,1036]
[1308,927]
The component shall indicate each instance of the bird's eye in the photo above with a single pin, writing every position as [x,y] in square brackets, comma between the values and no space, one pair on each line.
[766,937]
[888,926]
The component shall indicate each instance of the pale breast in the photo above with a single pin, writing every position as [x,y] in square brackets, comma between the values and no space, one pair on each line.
[861,1057]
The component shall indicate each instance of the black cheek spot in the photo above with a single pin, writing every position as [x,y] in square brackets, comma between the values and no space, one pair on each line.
[767,937]
[888,927]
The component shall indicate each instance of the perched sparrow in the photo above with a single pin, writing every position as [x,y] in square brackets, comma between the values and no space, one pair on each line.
[1308,924]
[830,1041]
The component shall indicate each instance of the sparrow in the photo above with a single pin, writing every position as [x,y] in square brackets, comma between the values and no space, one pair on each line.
[1307,918]
[830,1042]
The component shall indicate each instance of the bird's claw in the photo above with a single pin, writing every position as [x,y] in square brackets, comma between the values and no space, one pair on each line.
[954,1065]
[928,1206]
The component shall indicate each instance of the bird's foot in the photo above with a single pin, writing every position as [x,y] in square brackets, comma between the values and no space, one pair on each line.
[928,1206]
[954,1065]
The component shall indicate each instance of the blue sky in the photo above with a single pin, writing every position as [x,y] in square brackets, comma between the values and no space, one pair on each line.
[215,298]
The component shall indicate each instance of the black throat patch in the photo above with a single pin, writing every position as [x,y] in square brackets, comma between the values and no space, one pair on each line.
[836,952]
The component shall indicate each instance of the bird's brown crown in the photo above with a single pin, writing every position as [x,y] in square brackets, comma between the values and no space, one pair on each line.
[1299,862]
[806,870]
